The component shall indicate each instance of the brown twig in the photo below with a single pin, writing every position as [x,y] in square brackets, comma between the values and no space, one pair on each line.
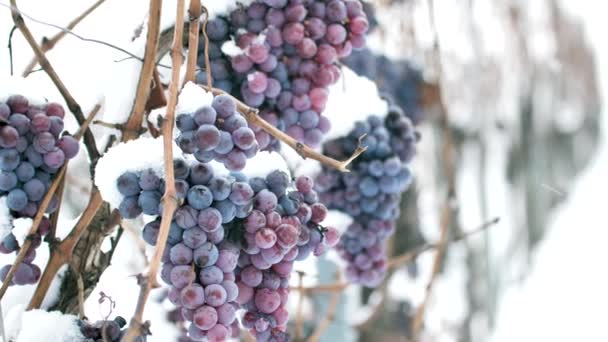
[169,198]
[447,211]
[63,252]
[80,285]
[48,44]
[59,192]
[252,116]
[329,317]
[401,259]
[194,13]
[73,106]
[206,52]
[413,254]
[133,125]
[33,230]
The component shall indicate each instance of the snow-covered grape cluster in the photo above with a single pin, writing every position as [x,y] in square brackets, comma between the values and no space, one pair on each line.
[106,330]
[32,150]
[371,192]
[217,132]
[231,245]
[285,60]
[400,81]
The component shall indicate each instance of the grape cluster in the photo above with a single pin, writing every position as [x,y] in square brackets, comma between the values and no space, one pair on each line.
[199,262]
[399,81]
[106,330]
[288,51]
[371,192]
[217,132]
[32,150]
[283,227]
[231,245]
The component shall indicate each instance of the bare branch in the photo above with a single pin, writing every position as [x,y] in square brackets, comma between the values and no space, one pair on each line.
[63,252]
[133,125]
[206,38]
[401,259]
[194,13]
[169,198]
[48,44]
[253,117]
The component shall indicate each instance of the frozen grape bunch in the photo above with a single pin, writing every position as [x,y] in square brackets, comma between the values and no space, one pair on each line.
[32,150]
[371,192]
[199,262]
[285,59]
[290,54]
[284,226]
[217,132]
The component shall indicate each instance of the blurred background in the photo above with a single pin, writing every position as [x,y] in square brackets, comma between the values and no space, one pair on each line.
[513,89]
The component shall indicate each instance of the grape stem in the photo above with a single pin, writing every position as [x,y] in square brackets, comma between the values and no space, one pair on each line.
[253,117]
[169,197]
[42,209]
[194,13]
[47,44]
[74,107]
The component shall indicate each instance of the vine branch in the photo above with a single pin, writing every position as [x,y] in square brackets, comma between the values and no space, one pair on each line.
[253,117]
[48,44]
[169,197]
[194,13]
[401,259]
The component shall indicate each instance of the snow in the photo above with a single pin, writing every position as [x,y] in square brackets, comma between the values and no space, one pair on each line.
[19,86]
[191,98]
[6,223]
[264,163]
[231,49]
[39,325]
[353,98]
[135,156]
[21,228]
